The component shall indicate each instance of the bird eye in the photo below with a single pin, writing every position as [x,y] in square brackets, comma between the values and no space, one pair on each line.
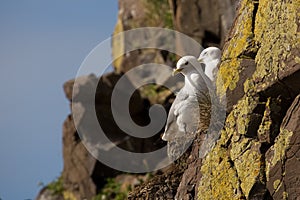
[186,63]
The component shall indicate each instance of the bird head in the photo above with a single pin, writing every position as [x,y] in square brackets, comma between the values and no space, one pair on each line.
[185,64]
[210,57]
[209,54]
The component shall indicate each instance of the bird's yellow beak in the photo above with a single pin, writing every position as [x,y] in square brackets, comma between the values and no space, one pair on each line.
[176,71]
[200,60]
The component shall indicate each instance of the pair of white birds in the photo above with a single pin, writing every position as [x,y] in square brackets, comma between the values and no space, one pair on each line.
[184,112]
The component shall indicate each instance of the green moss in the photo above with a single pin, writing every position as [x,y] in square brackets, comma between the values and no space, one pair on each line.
[112,191]
[242,112]
[249,86]
[56,187]
[158,13]
[297,59]
[272,37]
[231,176]
[281,145]
[155,93]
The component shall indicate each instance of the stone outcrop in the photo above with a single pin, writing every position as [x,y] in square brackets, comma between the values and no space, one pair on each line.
[208,22]
[282,159]
[135,14]
[203,20]
[257,154]
[78,163]
[83,176]
[258,75]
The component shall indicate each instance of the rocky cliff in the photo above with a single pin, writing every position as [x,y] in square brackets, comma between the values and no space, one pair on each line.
[257,154]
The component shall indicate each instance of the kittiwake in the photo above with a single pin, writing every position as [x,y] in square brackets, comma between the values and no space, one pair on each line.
[190,111]
[210,57]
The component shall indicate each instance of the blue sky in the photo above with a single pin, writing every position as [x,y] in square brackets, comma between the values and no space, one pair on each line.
[42,44]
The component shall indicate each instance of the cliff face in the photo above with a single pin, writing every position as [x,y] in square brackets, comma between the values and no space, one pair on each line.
[257,155]
[203,20]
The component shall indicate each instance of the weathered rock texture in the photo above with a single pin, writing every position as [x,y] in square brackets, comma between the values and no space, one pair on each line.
[83,176]
[260,74]
[136,14]
[203,20]
[206,21]
[282,159]
[257,156]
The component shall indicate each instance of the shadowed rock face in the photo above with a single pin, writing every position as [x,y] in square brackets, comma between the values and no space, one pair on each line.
[205,21]
[83,176]
[282,159]
[257,155]
[259,75]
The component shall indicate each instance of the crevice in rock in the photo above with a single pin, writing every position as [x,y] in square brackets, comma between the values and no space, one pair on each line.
[100,173]
[231,162]
[227,144]
[76,137]
[259,192]
[280,98]
[278,108]
[264,147]
[255,120]
[173,5]
[249,53]
[256,4]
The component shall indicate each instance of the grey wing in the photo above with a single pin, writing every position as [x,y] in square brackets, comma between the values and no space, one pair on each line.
[188,119]
[171,125]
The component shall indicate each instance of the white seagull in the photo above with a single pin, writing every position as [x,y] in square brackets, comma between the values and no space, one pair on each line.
[184,115]
[211,58]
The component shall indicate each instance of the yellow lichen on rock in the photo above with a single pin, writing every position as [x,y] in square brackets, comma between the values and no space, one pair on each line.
[228,76]
[276,33]
[118,45]
[69,195]
[276,184]
[219,179]
[279,149]
[239,169]
[241,38]
[267,32]
[247,161]
[242,113]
